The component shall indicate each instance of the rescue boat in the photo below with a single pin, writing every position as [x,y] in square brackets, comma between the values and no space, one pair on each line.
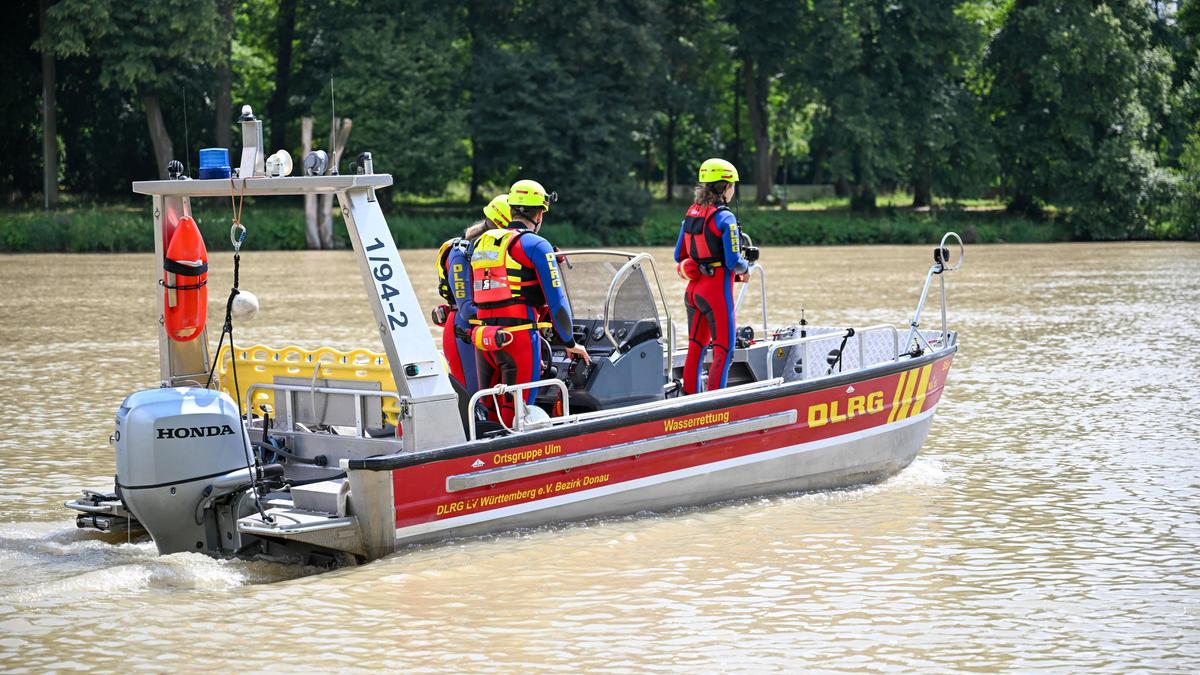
[328,456]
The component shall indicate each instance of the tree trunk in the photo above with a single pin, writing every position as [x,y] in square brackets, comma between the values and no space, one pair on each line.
[472,21]
[756,105]
[922,187]
[49,119]
[841,187]
[224,103]
[818,160]
[649,164]
[669,141]
[312,238]
[1023,204]
[737,120]
[285,30]
[337,143]
[473,193]
[863,198]
[164,152]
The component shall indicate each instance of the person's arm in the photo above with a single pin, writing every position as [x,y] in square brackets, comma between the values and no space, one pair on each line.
[731,236]
[541,254]
[545,261]
[679,252]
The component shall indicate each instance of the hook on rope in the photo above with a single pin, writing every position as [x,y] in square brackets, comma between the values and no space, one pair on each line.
[237,235]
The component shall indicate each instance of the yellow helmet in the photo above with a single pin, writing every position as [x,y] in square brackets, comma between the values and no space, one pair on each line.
[498,212]
[529,193]
[715,169]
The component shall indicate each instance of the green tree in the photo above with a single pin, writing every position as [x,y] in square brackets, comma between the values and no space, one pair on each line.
[765,41]
[855,70]
[1078,88]
[397,72]
[695,60]
[143,49]
[936,45]
[560,93]
[896,92]
[20,108]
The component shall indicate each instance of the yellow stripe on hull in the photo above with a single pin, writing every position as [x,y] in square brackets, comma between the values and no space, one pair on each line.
[910,393]
[922,386]
[898,397]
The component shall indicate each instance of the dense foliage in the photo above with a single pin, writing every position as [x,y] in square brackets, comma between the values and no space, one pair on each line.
[1087,109]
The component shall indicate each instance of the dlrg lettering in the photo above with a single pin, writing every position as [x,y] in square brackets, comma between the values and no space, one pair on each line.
[820,414]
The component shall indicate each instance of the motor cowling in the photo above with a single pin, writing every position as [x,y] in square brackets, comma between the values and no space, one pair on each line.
[177,451]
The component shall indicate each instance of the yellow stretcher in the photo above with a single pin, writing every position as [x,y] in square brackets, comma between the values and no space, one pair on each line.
[261,365]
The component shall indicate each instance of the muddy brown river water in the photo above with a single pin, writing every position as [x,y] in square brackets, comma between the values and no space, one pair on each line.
[1052,521]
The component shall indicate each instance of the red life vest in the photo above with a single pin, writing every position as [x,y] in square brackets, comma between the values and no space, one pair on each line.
[701,239]
[498,280]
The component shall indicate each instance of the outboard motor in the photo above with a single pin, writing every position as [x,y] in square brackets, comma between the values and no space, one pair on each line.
[179,451]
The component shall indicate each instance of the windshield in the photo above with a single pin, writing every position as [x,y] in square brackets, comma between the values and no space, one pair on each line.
[588,277]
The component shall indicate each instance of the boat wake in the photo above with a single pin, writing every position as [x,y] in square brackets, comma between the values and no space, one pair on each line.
[48,564]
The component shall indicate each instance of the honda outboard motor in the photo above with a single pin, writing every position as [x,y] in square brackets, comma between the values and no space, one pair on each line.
[179,451]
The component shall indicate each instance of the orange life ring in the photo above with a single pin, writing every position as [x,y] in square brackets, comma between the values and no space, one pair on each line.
[185,283]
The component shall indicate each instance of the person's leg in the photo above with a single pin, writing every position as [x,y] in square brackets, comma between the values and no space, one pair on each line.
[516,361]
[488,372]
[699,333]
[466,355]
[723,329]
[450,350]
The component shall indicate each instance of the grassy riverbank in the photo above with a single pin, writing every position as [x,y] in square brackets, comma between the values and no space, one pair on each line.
[277,225]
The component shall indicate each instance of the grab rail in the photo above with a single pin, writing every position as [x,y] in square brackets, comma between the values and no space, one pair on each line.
[762,292]
[518,401]
[291,389]
[941,263]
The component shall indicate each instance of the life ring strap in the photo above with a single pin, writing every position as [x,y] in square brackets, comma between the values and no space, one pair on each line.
[184,270]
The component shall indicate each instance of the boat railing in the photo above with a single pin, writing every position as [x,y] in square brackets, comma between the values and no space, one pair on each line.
[290,390]
[762,292]
[941,263]
[860,336]
[520,407]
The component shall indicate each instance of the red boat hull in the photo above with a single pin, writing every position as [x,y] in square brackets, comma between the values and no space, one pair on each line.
[456,496]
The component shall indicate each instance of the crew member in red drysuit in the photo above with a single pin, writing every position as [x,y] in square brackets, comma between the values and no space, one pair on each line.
[516,280]
[709,256]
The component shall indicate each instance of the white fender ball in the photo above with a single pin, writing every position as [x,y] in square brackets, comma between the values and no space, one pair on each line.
[245,305]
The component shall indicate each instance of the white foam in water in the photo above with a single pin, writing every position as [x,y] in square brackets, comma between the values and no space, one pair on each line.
[45,563]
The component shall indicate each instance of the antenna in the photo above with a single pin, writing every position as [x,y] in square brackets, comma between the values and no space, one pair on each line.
[332,107]
[187,150]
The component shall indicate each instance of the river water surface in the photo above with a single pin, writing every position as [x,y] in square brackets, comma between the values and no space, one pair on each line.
[1051,522]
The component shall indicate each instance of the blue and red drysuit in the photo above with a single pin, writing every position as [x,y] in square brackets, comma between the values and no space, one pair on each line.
[710,257]
[456,334]
[542,296]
